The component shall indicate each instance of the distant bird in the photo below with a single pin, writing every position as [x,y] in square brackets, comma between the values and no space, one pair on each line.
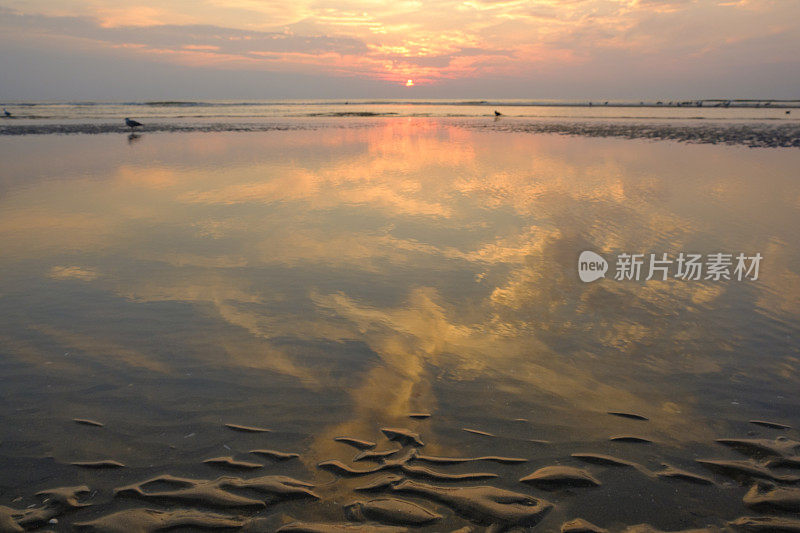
[132,123]
[6,112]
[788,112]
[497,113]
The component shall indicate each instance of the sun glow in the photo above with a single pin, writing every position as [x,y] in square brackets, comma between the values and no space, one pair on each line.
[449,41]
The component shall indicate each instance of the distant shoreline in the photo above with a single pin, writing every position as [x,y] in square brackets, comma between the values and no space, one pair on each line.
[664,103]
[754,134]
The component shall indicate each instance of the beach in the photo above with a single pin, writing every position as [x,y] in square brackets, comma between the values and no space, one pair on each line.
[281,321]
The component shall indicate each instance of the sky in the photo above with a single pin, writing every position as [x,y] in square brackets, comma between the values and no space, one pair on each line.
[256,49]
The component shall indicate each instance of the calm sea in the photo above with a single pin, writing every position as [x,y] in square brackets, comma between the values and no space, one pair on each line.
[331,281]
[259,110]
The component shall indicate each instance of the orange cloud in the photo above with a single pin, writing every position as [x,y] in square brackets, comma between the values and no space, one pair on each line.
[396,41]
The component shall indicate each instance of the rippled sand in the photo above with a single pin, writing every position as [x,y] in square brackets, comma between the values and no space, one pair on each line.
[396,493]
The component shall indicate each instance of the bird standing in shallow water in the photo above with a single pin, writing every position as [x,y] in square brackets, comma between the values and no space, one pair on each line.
[132,123]
[498,113]
[6,112]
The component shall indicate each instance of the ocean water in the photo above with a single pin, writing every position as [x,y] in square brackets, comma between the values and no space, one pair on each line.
[332,279]
[235,111]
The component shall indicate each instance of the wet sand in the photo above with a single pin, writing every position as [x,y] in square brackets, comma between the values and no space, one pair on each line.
[403,494]
[380,328]
[755,134]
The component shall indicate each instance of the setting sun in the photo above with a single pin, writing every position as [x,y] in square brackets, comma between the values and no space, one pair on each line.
[410,83]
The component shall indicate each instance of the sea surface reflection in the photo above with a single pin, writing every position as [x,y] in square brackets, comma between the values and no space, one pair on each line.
[330,281]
